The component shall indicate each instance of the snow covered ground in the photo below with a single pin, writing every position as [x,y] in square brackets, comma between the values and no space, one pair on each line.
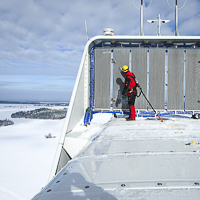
[26,156]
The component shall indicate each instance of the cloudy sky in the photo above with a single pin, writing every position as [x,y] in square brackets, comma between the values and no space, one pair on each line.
[42,41]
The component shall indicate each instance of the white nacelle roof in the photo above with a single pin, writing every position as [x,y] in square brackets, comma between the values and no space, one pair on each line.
[142,159]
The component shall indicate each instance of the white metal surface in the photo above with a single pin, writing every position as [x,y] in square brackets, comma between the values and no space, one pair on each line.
[142,159]
[80,96]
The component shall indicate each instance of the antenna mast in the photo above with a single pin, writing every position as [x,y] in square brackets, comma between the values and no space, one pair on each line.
[176,15]
[142,15]
[141,18]
[176,19]
[86,30]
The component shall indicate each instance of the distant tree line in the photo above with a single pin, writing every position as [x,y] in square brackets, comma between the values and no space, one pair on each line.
[42,113]
[36,103]
[6,122]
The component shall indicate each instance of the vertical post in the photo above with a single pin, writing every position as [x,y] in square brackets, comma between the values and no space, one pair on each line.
[86,30]
[176,18]
[184,82]
[147,78]
[158,24]
[91,76]
[111,81]
[166,78]
[141,19]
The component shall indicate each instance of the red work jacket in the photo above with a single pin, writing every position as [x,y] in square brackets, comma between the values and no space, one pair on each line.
[130,84]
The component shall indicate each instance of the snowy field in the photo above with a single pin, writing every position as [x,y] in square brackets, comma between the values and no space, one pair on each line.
[26,156]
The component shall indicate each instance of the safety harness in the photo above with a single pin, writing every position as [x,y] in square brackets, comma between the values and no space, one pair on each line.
[131,90]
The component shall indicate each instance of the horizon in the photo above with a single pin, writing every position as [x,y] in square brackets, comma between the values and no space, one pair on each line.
[33,102]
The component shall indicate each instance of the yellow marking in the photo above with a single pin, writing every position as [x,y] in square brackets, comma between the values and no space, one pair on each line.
[170,125]
[195,142]
[179,132]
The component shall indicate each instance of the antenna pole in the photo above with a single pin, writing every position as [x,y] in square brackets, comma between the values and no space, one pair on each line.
[141,19]
[176,18]
[86,30]
[158,24]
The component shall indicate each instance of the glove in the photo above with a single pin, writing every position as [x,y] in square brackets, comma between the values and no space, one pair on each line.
[138,85]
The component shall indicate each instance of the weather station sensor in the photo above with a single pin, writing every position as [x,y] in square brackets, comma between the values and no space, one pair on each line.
[108,31]
[159,21]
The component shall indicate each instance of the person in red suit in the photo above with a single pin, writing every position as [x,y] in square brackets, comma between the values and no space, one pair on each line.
[130,90]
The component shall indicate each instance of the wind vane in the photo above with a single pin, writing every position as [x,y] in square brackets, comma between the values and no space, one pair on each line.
[159,21]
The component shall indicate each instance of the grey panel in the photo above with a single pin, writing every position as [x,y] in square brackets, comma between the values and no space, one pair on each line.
[139,68]
[192,79]
[77,110]
[175,79]
[157,78]
[122,58]
[63,160]
[102,78]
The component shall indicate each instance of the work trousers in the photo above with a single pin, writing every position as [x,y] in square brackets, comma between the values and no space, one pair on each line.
[131,102]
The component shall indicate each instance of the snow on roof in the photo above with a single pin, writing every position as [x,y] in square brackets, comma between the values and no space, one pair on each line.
[145,159]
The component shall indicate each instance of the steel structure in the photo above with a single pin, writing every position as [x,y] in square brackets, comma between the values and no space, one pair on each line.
[110,164]
[84,90]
